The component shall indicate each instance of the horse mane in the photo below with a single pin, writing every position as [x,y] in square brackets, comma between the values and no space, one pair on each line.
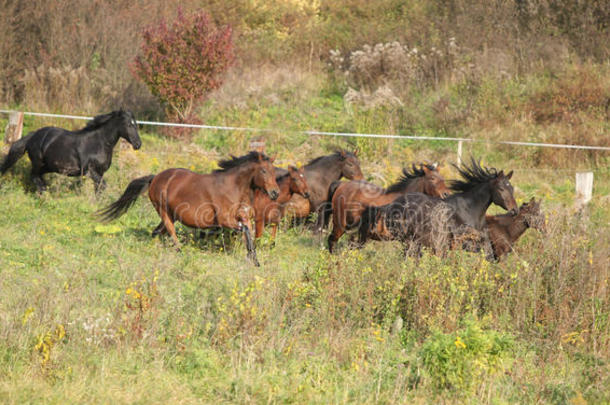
[336,154]
[235,161]
[473,175]
[101,120]
[408,177]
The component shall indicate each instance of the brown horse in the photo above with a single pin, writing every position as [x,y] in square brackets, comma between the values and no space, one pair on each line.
[267,211]
[351,198]
[220,199]
[319,174]
[505,229]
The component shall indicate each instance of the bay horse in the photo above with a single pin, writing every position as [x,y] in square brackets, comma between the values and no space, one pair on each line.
[319,174]
[75,153]
[350,198]
[268,211]
[222,198]
[419,220]
[505,230]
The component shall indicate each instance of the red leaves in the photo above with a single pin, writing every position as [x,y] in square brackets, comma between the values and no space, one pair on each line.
[182,62]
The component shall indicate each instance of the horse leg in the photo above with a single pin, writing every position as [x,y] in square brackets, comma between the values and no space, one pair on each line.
[39,182]
[245,228]
[98,180]
[159,230]
[259,225]
[338,230]
[169,227]
[324,212]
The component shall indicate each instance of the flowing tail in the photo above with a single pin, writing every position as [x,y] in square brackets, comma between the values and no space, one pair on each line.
[15,152]
[129,197]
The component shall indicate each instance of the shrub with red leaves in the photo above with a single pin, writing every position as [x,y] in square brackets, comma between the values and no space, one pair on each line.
[182,62]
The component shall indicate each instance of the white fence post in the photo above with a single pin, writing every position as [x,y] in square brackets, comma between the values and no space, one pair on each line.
[459,153]
[584,188]
[14,128]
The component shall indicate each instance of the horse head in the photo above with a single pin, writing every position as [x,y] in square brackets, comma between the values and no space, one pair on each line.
[264,176]
[503,193]
[129,128]
[350,165]
[434,183]
[298,184]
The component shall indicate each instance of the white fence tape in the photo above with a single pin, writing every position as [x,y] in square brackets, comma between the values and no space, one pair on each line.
[322,133]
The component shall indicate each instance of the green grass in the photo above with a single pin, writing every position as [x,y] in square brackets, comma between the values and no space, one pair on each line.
[144,323]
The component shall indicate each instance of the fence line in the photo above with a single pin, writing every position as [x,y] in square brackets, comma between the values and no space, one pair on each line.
[324,133]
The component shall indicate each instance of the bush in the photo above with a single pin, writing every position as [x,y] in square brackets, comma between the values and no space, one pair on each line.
[462,359]
[183,62]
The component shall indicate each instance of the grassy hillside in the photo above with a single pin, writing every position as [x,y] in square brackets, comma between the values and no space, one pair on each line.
[104,313]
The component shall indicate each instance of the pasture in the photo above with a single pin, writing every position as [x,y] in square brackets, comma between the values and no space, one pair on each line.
[101,313]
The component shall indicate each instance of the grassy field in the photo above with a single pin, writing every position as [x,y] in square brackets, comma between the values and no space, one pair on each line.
[104,313]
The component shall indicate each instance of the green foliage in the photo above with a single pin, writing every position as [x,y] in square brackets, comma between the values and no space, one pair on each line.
[461,361]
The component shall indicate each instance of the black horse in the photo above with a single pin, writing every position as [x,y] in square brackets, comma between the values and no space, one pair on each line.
[75,153]
[456,222]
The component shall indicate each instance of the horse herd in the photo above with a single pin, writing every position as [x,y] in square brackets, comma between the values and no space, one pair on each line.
[419,210]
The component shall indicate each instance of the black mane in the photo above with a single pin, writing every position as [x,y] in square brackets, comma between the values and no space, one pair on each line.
[473,175]
[337,154]
[408,177]
[101,120]
[235,161]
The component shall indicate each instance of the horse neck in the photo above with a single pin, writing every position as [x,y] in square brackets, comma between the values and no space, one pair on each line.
[479,200]
[109,132]
[330,166]
[242,178]
[410,185]
[516,227]
[285,192]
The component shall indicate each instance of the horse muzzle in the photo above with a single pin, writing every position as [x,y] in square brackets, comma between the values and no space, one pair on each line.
[274,194]
[306,194]
[137,146]
[445,194]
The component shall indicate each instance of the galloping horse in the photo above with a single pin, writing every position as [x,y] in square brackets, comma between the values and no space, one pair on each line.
[420,220]
[267,211]
[75,153]
[350,198]
[505,229]
[222,198]
[319,174]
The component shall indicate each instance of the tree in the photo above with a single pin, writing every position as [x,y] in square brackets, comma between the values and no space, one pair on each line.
[182,62]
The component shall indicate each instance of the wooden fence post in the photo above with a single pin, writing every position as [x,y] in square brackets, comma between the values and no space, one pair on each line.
[459,153]
[14,128]
[584,188]
[257,145]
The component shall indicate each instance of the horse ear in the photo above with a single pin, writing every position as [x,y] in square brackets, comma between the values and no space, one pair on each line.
[272,159]
[435,165]
[509,175]
[425,168]
[356,151]
[342,154]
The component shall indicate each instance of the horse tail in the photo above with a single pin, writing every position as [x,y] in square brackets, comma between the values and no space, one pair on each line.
[129,197]
[15,152]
